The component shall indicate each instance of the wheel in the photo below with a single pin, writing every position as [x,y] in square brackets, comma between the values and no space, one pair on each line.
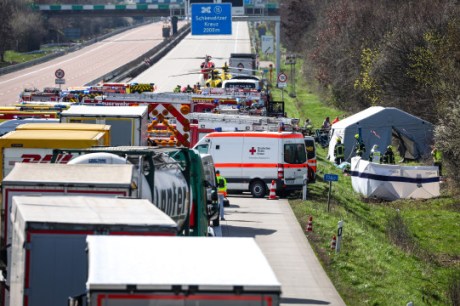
[258,189]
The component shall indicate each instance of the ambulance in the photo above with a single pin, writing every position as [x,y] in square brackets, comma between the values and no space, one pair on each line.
[250,161]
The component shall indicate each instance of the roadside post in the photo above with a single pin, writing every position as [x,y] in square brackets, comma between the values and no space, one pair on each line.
[339,236]
[304,188]
[282,82]
[59,74]
[330,178]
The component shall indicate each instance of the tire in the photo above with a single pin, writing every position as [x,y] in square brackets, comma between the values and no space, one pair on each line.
[258,189]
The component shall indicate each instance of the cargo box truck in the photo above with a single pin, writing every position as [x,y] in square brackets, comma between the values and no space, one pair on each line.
[129,123]
[64,179]
[162,276]
[37,146]
[49,259]
[103,128]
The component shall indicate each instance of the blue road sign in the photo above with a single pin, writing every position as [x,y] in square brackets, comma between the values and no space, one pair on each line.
[212,19]
[331,177]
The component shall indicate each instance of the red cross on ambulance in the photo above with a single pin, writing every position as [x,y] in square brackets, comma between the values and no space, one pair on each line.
[253,150]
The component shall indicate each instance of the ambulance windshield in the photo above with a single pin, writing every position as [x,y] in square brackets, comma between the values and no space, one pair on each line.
[295,153]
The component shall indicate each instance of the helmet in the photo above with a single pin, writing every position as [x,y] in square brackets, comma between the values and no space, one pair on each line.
[375,147]
[390,147]
[339,140]
[356,136]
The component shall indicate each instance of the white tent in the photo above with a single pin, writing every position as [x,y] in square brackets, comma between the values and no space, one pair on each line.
[383,126]
[392,182]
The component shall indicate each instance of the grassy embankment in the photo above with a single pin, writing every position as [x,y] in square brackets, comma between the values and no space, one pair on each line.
[392,252]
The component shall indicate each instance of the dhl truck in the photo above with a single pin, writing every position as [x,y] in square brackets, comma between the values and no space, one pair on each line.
[162,276]
[37,146]
[49,260]
[8,113]
[53,126]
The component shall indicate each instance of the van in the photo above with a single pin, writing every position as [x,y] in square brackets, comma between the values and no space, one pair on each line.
[250,161]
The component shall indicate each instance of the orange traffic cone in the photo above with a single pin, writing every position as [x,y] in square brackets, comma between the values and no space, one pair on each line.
[272,195]
[310,225]
[333,242]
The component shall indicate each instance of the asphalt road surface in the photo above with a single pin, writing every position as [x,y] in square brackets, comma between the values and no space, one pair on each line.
[84,65]
[181,66]
[276,230]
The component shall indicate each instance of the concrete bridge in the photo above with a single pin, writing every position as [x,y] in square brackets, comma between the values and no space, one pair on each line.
[154,8]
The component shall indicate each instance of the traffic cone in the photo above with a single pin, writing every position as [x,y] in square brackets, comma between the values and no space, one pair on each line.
[333,242]
[310,225]
[272,195]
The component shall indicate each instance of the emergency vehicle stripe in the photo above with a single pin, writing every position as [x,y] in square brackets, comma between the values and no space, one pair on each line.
[208,297]
[252,165]
[401,179]
[256,135]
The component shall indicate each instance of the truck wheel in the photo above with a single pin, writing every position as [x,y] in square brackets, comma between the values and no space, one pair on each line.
[258,189]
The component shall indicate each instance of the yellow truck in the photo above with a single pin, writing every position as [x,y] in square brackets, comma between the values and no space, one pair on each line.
[103,128]
[36,146]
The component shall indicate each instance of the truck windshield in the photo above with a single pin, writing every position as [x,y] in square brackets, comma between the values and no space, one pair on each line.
[295,153]
[203,148]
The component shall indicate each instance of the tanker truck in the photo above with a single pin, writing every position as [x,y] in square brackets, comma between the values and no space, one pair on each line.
[172,178]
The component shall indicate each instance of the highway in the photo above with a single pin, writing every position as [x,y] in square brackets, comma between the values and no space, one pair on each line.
[190,53]
[271,223]
[84,65]
[274,227]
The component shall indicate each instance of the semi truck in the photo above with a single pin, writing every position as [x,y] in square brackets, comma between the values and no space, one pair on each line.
[172,178]
[49,260]
[162,277]
[129,123]
[37,147]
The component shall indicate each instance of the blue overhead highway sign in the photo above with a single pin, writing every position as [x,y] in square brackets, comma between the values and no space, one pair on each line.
[212,19]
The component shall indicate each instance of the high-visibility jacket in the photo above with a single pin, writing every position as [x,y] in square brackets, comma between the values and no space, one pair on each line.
[375,156]
[437,155]
[339,150]
[221,185]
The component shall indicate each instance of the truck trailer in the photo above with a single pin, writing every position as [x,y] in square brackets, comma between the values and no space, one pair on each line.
[49,260]
[162,276]
[129,123]
[172,178]
[37,147]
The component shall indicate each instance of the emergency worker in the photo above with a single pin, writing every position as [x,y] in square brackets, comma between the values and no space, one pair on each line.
[339,152]
[437,158]
[221,192]
[375,154]
[360,148]
[389,156]
[177,89]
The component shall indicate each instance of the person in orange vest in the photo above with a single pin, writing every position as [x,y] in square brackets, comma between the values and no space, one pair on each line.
[221,192]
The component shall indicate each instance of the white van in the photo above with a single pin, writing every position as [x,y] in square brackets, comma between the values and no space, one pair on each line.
[250,161]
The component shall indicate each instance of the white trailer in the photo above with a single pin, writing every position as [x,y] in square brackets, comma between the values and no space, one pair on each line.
[177,271]
[49,259]
[64,179]
[129,123]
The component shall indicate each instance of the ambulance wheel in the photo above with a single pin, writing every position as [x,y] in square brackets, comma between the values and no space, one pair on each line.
[258,189]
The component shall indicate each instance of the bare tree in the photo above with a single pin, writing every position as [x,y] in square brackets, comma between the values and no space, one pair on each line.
[6,9]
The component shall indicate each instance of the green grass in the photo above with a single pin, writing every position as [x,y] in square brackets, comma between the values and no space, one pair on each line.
[12,57]
[371,269]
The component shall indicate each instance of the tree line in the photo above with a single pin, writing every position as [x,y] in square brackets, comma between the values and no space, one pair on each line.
[23,30]
[391,53]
